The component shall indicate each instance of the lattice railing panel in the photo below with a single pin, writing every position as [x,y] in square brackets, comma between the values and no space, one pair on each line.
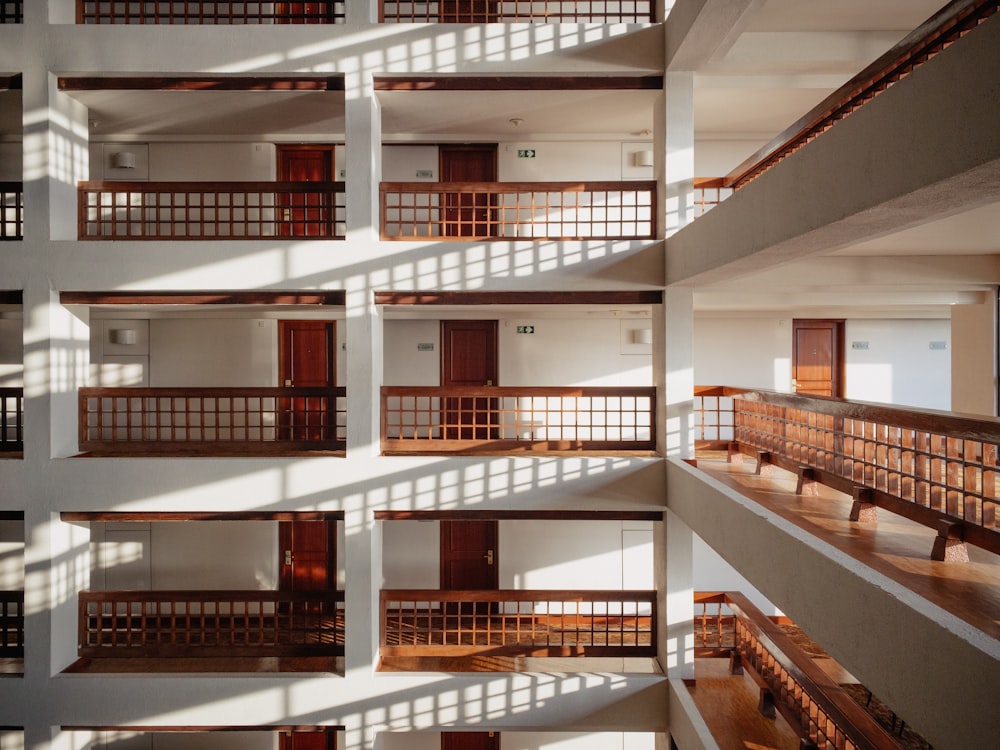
[212,12]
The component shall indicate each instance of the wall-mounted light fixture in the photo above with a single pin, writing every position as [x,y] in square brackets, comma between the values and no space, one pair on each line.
[123,160]
[641,336]
[642,158]
[123,336]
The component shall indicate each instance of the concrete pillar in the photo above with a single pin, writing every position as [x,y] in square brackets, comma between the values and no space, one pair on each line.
[974,357]
[675,542]
[679,153]
[679,384]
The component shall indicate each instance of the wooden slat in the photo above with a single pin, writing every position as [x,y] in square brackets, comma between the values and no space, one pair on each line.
[333,298]
[518,83]
[519,515]
[201,83]
[630,297]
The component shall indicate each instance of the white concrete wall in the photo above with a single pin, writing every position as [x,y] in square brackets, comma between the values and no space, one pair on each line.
[589,350]
[186,555]
[11,555]
[717,158]
[529,741]
[974,357]
[756,352]
[610,555]
[123,740]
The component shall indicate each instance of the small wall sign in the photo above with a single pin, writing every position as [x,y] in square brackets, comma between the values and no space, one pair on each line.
[526,153]
[525,329]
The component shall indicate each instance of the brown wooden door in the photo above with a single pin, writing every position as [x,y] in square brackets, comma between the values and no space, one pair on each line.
[818,357]
[308,555]
[469,358]
[469,555]
[308,741]
[305,216]
[307,358]
[468,214]
[299,12]
[470,740]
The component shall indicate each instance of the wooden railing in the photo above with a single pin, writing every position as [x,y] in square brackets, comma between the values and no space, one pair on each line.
[11,206]
[924,43]
[211,421]
[430,622]
[423,419]
[119,624]
[518,11]
[465,211]
[11,420]
[937,468]
[821,711]
[210,210]
[709,193]
[208,12]
[12,624]
[11,11]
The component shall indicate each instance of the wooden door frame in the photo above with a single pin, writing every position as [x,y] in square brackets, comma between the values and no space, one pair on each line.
[838,367]
[284,148]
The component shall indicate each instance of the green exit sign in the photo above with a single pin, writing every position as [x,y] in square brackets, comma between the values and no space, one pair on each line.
[526,153]
[525,329]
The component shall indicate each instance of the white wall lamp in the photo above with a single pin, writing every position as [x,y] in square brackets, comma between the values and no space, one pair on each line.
[123,336]
[641,336]
[642,158]
[123,160]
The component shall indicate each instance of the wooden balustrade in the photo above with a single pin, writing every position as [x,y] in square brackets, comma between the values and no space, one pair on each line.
[11,11]
[518,11]
[210,210]
[423,419]
[714,626]
[709,193]
[937,468]
[818,708]
[463,211]
[12,624]
[11,204]
[216,421]
[208,12]
[950,23]
[430,622]
[11,420]
[119,624]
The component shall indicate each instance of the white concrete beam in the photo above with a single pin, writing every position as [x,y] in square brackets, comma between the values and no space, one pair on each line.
[908,651]
[700,30]
[928,147]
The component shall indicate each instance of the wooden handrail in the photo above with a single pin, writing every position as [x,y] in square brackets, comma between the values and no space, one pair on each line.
[421,419]
[933,467]
[11,207]
[564,622]
[237,420]
[12,624]
[519,11]
[210,210]
[820,709]
[926,41]
[173,623]
[208,12]
[462,211]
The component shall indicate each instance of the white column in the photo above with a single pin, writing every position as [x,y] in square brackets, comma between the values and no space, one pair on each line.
[678,114]
[974,357]
[679,587]
[679,380]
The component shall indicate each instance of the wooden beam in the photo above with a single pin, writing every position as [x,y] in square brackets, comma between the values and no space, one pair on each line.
[11,297]
[111,516]
[196,728]
[13,82]
[11,515]
[519,83]
[335,298]
[641,297]
[200,83]
[519,515]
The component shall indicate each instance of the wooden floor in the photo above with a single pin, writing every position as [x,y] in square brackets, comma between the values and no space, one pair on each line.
[895,547]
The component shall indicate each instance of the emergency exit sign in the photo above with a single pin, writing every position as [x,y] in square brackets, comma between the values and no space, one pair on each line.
[525,329]
[526,153]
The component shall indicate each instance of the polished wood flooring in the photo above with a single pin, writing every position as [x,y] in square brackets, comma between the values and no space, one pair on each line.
[208,665]
[897,548]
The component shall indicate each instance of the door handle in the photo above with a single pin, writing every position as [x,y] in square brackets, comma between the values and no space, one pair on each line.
[488,557]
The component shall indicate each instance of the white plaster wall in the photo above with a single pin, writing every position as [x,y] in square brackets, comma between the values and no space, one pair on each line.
[743,351]
[717,158]
[584,351]
[713,573]
[899,367]
[529,741]
[610,555]
[974,357]
[11,350]
[755,352]
[11,555]
[180,741]
[401,163]
[186,161]
[213,352]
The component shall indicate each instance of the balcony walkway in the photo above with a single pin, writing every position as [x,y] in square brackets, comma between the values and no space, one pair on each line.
[895,547]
